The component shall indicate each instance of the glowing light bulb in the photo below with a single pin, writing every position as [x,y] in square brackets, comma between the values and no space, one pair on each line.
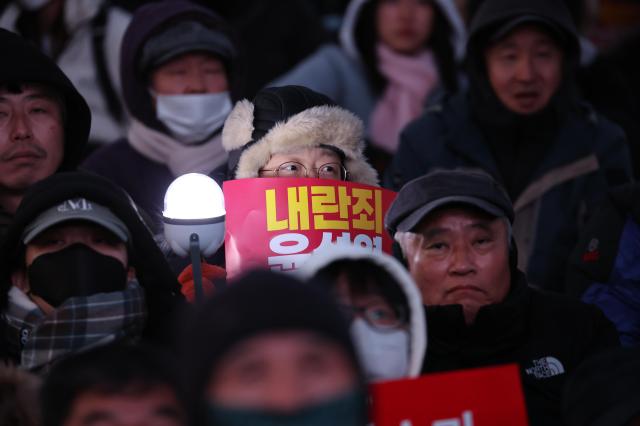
[193,196]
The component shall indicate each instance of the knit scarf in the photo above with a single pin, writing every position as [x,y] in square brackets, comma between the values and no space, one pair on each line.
[179,158]
[409,80]
[80,323]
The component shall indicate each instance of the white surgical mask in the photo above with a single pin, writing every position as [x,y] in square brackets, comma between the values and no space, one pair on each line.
[32,4]
[193,118]
[383,354]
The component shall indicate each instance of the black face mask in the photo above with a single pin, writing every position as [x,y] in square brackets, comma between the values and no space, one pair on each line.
[75,271]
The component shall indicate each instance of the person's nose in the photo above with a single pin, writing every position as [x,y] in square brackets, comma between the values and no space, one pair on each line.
[285,394]
[462,261]
[525,70]
[20,127]
[195,82]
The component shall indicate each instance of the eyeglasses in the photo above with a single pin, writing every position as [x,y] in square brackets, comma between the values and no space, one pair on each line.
[293,169]
[378,316]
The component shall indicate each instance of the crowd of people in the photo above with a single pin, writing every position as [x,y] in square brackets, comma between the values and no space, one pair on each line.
[516,224]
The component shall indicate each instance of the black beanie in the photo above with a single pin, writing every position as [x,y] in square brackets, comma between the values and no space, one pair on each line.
[259,302]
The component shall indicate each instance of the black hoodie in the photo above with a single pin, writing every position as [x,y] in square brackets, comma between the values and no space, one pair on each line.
[23,63]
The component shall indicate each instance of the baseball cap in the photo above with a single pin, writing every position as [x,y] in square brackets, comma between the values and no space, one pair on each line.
[508,26]
[184,37]
[76,209]
[422,195]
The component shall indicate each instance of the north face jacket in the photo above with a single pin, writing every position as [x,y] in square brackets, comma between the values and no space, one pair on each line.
[548,335]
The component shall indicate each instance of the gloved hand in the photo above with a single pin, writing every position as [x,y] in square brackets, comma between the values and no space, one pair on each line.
[210,273]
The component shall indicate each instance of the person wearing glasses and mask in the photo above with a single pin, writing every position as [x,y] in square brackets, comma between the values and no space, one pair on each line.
[292,131]
[383,306]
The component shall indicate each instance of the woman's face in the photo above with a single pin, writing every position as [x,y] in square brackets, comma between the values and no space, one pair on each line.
[404,25]
[312,162]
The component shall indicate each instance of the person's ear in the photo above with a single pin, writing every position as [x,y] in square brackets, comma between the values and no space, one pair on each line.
[20,279]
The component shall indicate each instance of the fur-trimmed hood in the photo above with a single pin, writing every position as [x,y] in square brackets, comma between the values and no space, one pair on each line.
[417,319]
[320,124]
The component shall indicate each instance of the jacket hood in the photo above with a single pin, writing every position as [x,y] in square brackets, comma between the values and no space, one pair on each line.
[162,291]
[24,63]
[494,13]
[417,319]
[353,14]
[284,119]
[148,21]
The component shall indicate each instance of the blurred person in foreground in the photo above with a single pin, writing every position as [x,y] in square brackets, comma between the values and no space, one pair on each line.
[455,231]
[271,350]
[115,385]
[19,395]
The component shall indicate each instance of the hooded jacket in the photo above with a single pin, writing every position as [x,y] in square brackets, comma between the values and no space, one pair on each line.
[162,292]
[88,22]
[24,63]
[417,320]
[339,72]
[147,180]
[555,164]
[604,268]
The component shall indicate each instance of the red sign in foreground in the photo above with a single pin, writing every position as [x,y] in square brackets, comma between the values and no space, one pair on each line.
[276,223]
[479,397]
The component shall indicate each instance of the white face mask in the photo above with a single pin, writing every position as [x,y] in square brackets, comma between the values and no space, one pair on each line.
[384,354]
[193,118]
[32,5]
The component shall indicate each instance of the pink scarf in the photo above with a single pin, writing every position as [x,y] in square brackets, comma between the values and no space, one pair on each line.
[410,79]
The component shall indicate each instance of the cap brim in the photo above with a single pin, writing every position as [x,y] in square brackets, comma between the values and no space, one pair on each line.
[108,225]
[414,219]
[505,29]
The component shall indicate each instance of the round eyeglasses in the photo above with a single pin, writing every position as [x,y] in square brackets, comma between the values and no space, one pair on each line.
[376,315]
[293,169]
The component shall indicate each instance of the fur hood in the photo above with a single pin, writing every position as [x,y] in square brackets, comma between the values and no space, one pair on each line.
[417,319]
[311,127]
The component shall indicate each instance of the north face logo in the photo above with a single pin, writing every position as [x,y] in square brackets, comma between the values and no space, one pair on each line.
[544,368]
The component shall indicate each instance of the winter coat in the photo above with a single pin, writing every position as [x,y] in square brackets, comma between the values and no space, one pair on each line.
[546,334]
[588,152]
[604,268]
[417,321]
[338,71]
[555,163]
[144,179]
[96,30]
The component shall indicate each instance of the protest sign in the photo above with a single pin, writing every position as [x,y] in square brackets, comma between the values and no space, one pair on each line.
[478,397]
[277,223]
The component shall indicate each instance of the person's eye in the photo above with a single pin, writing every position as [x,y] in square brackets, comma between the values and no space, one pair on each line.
[290,168]
[436,246]
[483,241]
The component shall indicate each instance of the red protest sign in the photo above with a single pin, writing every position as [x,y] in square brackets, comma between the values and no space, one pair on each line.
[479,397]
[276,223]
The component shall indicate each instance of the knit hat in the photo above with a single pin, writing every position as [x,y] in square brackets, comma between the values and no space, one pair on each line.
[260,302]
[285,119]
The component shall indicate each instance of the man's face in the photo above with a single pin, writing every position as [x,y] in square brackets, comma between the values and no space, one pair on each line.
[525,69]
[191,73]
[281,371]
[157,407]
[31,137]
[460,256]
